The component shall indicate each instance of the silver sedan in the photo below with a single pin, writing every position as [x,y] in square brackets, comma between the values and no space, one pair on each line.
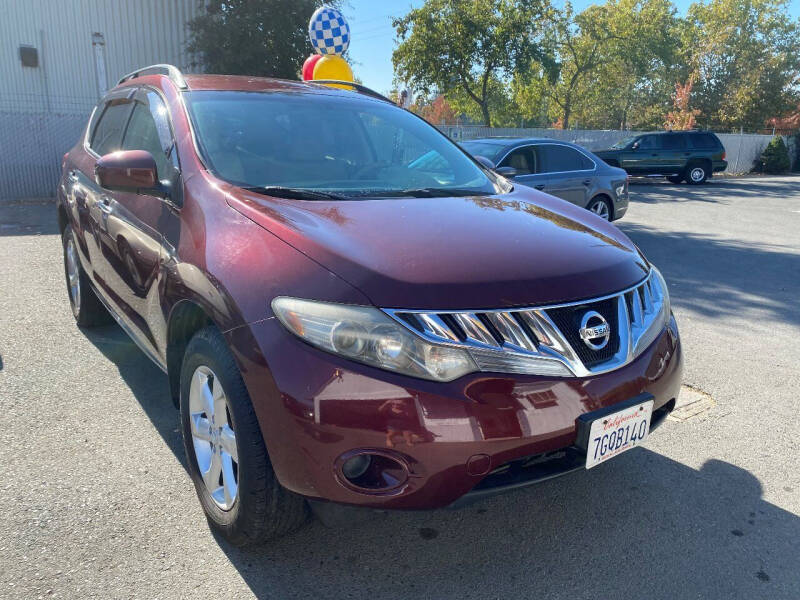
[558,168]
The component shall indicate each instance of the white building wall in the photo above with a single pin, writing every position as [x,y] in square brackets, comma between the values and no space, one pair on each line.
[43,109]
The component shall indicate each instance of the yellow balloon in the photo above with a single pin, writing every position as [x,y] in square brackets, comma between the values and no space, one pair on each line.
[333,67]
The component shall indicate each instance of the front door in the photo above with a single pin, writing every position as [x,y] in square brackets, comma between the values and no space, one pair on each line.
[135,225]
[644,157]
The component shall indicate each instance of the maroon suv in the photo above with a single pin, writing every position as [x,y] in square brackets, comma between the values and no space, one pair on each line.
[348,307]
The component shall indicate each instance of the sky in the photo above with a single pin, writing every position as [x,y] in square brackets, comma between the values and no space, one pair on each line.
[372,34]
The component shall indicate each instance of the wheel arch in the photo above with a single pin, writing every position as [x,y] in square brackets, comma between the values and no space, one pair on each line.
[185,319]
[63,218]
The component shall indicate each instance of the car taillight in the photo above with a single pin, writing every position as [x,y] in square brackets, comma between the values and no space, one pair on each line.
[723,155]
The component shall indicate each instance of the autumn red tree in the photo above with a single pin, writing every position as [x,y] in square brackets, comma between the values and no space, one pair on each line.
[439,112]
[683,117]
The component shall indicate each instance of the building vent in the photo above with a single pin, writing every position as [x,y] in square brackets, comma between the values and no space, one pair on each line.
[29,56]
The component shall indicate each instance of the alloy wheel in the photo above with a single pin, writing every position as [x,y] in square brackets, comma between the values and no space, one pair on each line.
[213,437]
[600,208]
[73,274]
[697,174]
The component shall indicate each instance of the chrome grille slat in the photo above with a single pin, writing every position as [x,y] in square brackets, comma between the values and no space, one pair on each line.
[511,331]
[529,338]
[434,324]
[474,329]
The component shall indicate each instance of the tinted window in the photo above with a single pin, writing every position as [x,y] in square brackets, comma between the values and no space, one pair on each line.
[351,146]
[107,136]
[523,160]
[650,142]
[704,141]
[673,142]
[490,150]
[555,158]
[149,130]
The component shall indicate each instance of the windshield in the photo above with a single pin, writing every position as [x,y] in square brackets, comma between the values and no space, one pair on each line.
[625,143]
[488,150]
[351,147]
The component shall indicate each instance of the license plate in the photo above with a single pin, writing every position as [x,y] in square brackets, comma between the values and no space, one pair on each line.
[613,434]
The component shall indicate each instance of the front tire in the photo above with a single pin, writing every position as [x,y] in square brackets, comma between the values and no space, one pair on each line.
[86,307]
[226,455]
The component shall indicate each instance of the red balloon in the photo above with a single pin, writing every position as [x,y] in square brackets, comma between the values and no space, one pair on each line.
[308,66]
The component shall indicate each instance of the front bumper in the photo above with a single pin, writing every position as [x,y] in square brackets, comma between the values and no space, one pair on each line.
[313,407]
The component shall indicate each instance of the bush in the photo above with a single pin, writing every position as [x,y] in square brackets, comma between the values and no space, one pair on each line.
[775,158]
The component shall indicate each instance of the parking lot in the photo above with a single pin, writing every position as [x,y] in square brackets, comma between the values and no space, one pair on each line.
[96,501]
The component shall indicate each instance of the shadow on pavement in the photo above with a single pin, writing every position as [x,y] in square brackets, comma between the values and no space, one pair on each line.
[718,277]
[28,219]
[642,526]
[147,382]
[715,191]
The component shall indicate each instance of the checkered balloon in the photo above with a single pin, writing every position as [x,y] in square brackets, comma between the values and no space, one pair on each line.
[329,32]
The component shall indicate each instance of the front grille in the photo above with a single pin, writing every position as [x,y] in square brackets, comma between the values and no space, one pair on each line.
[546,340]
[568,321]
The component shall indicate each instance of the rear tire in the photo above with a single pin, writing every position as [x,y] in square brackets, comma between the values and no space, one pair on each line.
[86,307]
[697,173]
[601,206]
[247,505]
[675,178]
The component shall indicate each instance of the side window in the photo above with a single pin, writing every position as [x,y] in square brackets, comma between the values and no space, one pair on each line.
[703,141]
[107,135]
[523,160]
[556,159]
[149,130]
[674,141]
[650,142]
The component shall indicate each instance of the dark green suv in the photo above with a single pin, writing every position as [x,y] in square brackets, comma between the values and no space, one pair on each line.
[691,156]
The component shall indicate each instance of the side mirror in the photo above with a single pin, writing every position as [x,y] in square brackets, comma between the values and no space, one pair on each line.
[130,171]
[635,146]
[485,162]
[508,172]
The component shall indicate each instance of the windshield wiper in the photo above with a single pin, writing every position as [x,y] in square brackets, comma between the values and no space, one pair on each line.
[428,192]
[294,193]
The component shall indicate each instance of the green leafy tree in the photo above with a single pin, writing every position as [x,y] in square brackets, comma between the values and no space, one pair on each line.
[775,157]
[253,37]
[746,57]
[459,47]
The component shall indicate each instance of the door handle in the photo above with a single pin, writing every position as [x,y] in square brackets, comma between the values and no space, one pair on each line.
[539,187]
[72,176]
[654,154]
[104,205]
[587,182]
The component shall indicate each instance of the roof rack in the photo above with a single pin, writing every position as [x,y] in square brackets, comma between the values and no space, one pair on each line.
[170,71]
[356,86]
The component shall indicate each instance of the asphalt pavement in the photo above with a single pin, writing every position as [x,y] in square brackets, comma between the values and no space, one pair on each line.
[96,501]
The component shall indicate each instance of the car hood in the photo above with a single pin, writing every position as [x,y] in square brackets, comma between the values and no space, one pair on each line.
[523,248]
[607,152]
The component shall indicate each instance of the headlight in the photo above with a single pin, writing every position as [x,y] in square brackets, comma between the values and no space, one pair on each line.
[367,335]
[660,320]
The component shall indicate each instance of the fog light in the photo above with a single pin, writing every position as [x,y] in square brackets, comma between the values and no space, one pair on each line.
[355,467]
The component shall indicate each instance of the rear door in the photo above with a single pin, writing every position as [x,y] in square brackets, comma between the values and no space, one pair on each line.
[674,152]
[564,172]
[137,224]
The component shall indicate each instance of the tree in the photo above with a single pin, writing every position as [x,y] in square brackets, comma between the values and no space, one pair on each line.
[746,57]
[253,37]
[683,117]
[461,46]
[580,42]
[775,158]
[438,112]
